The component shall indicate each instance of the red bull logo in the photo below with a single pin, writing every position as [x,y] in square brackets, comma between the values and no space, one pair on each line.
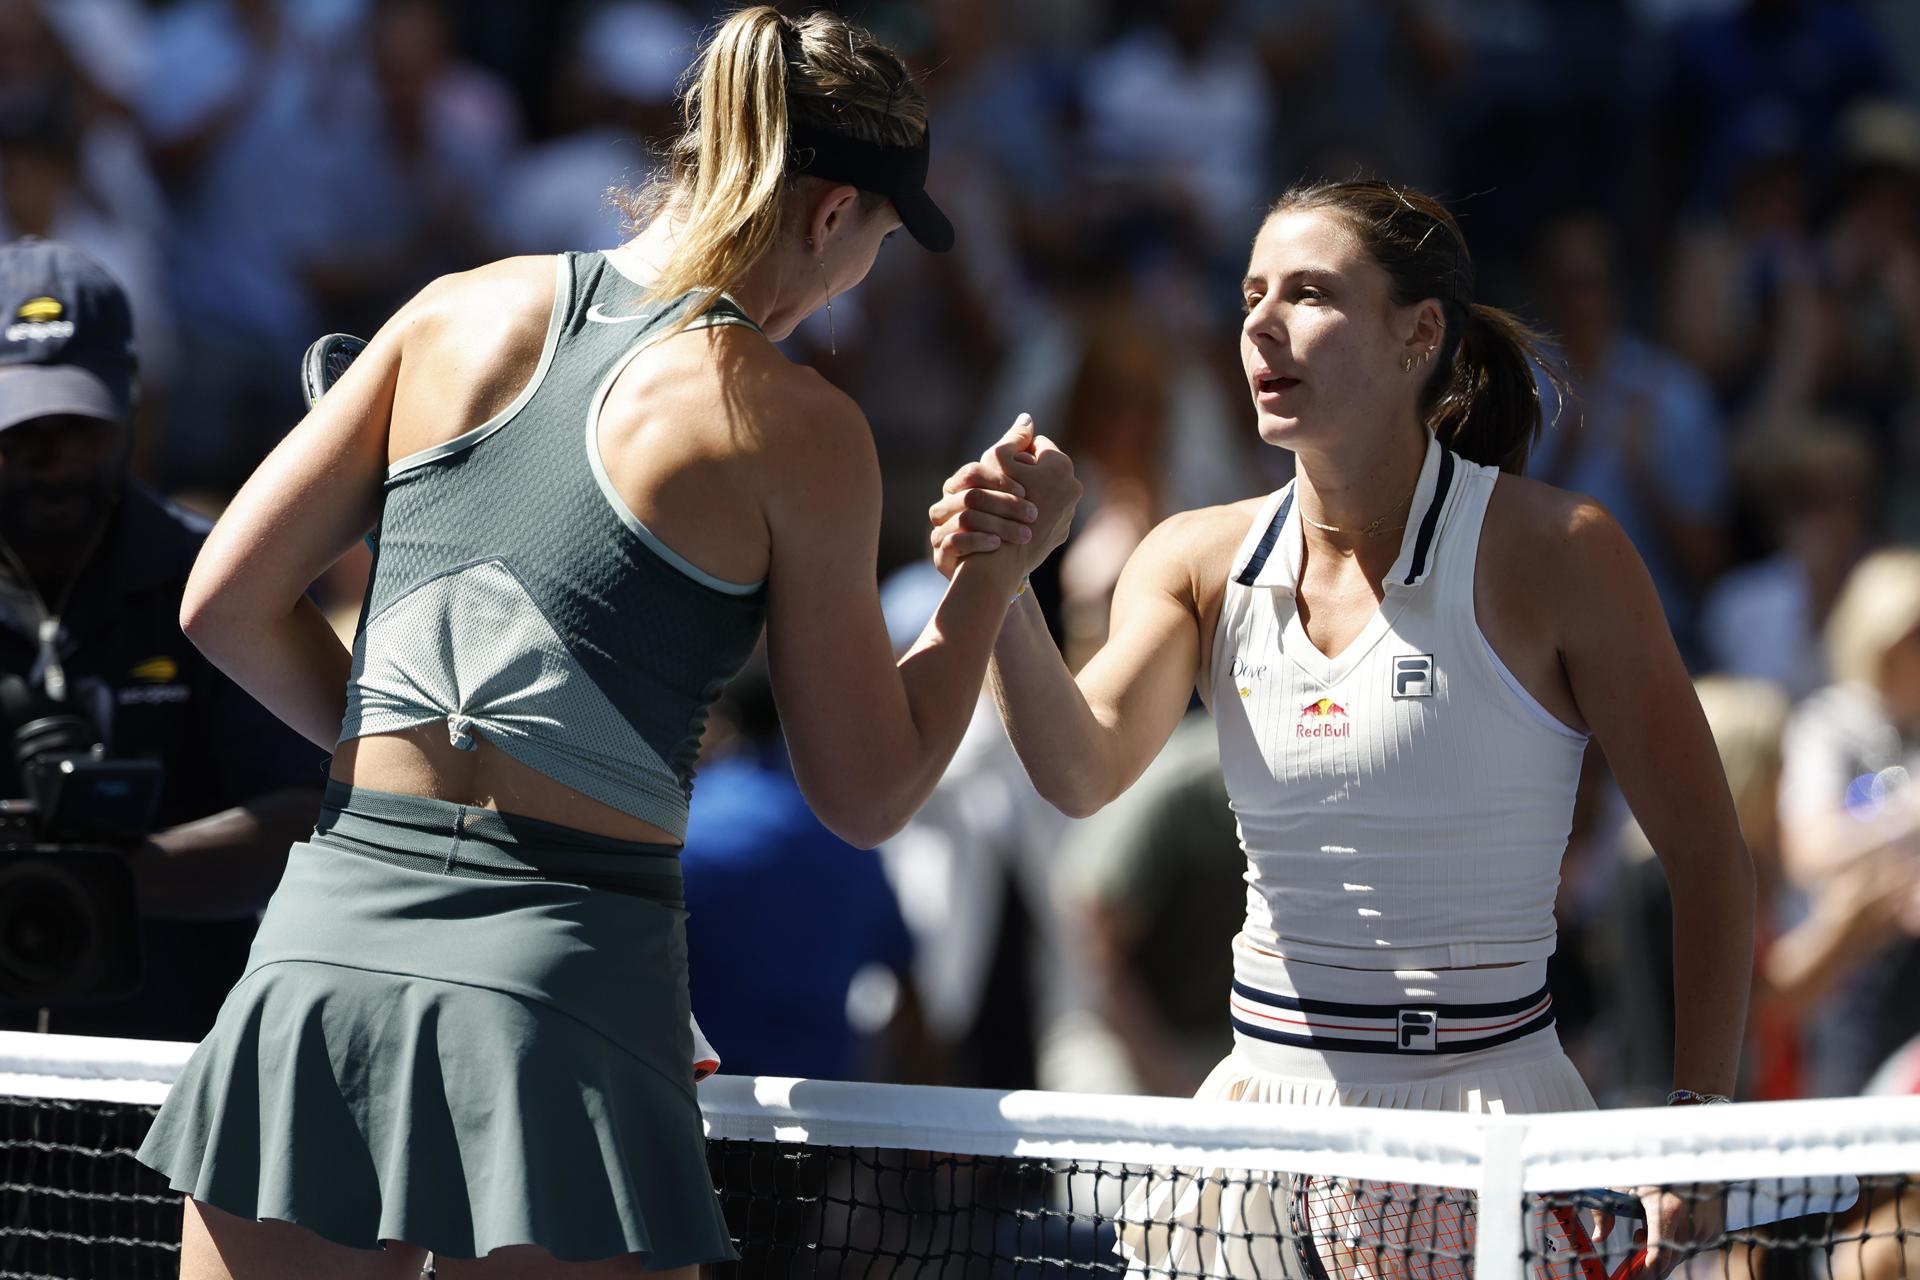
[1323,718]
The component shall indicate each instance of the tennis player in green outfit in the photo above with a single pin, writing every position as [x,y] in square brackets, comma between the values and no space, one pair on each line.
[594,480]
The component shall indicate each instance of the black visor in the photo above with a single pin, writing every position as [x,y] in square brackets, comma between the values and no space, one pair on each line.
[898,173]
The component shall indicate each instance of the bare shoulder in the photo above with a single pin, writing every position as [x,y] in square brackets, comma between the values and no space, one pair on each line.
[1543,544]
[1553,530]
[1205,533]
[771,406]
[511,298]
[1191,552]
[464,347]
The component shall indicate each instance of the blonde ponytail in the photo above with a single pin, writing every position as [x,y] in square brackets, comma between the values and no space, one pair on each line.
[730,166]
[728,174]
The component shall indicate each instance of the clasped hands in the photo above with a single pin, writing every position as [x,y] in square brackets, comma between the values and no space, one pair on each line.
[1017,499]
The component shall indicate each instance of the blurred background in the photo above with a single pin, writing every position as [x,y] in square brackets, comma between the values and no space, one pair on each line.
[1712,206]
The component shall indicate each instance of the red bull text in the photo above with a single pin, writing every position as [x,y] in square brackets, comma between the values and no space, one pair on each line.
[1323,718]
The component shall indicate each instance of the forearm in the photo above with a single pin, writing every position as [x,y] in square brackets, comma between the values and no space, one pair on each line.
[293,664]
[941,676]
[226,865]
[1712,967]
[1054,731]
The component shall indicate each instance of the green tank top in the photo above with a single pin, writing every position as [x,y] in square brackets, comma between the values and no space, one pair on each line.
[516,598]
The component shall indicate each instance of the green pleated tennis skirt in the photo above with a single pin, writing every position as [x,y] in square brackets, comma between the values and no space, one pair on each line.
[461,1030]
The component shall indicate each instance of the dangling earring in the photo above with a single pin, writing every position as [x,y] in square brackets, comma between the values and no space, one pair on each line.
[1406,362]
[833,345]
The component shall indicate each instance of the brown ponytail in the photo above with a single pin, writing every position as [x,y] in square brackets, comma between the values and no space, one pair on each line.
[728,173]
[1481,400]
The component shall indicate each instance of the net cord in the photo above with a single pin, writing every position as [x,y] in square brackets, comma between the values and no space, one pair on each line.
[1500,1156]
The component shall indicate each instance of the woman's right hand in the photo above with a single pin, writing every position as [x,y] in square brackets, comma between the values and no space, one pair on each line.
[1021,494]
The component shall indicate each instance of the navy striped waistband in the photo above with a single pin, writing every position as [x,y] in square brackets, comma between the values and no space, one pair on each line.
[466,840]
[1412,1026]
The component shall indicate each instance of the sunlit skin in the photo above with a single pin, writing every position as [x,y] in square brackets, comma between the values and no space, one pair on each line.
[725,450]
[1322,347]
[1335,370]
[834,252]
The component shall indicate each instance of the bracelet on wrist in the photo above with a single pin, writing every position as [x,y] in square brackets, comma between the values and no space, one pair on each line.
[1025,582]
[1692,1098]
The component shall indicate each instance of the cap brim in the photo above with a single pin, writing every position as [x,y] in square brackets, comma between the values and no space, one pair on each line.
[924,221]
[59,390]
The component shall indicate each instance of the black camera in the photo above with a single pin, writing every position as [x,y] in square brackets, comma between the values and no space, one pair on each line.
[69,923]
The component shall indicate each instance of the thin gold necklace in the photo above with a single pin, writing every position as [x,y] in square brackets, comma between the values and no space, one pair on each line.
[1372,528]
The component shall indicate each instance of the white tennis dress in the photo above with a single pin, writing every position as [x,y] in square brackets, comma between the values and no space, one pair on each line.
[1404,807]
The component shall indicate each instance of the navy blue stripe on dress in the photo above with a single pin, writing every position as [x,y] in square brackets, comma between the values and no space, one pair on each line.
[1432,520]
[1345,1044]
[1258,560]
[1339,1008]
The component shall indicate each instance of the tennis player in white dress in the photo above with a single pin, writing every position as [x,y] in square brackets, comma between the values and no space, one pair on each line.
[1406,651]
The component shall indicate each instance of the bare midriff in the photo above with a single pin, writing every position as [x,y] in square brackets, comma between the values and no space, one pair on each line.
[420,761]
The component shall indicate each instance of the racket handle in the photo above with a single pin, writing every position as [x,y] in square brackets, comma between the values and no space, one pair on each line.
[1634,1267]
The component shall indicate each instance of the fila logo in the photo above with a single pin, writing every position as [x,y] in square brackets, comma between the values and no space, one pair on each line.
[1419,1031]
[1413,675]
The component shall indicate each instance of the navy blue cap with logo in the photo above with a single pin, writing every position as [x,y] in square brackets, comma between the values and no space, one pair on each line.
[66,336]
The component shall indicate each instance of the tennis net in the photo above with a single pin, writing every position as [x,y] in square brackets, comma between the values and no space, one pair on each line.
[828,1179]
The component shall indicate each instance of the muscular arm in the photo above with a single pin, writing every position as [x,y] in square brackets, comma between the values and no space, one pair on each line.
[1630,686]
[1085,739]
[313,498]
[320,490]
[869,738]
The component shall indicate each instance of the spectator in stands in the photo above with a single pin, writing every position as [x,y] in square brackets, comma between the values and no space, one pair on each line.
[796,953]
[1847,800]
[1639,431]
[1179,117]
[610,92]
[1767,66]
[425,137]
[92,566]
[1155,879]
[244,109]
[71,168]
[1872,251]
[1813,486]
[1356,87]
[1807,944]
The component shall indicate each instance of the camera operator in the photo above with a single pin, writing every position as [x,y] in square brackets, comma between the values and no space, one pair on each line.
[92,565]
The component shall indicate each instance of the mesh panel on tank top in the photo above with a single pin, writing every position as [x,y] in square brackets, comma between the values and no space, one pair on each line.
[516,598]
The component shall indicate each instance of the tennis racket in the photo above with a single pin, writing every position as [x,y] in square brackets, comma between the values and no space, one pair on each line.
[325,361]
[1747,1205]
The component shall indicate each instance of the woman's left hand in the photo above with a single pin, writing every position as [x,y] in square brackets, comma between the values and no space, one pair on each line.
[1676,1225]
[981,505]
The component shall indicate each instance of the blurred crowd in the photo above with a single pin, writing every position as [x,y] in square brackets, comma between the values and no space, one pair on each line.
[1712,207]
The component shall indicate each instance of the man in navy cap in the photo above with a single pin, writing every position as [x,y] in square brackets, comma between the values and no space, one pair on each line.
[92,566]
